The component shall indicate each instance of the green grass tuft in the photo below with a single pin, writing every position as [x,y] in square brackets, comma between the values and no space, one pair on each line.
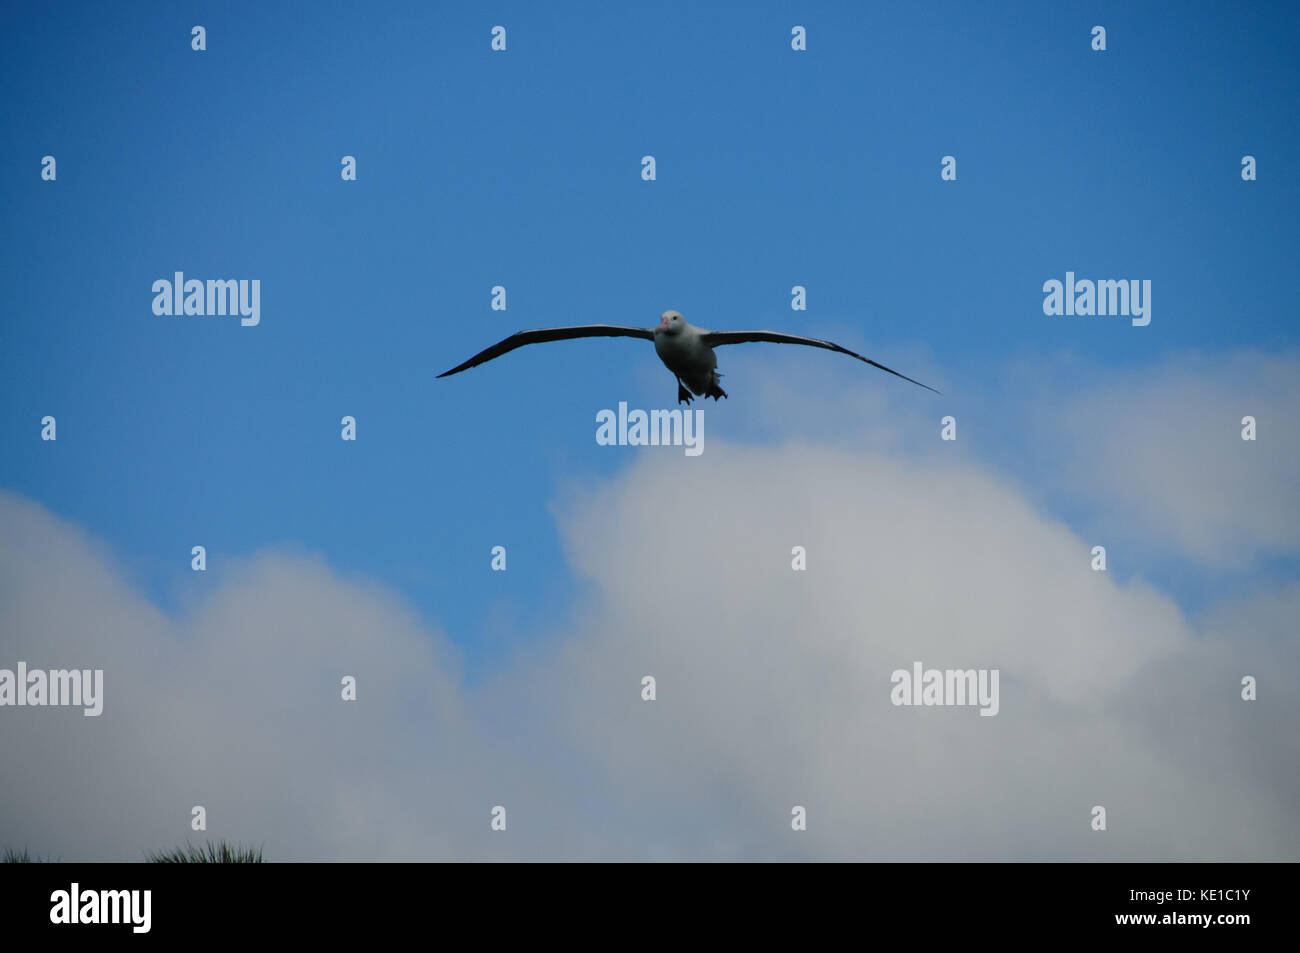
[12,856]
[209,853]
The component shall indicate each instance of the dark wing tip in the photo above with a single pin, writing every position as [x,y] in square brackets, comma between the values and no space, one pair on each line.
[896,374]
[933,390]
[540,335]
[781,337]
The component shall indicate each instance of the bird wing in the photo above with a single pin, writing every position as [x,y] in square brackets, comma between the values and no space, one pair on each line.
[715,338]
[551,334]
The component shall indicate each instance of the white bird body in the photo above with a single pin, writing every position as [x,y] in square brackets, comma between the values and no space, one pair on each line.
[686,350]
[682,349]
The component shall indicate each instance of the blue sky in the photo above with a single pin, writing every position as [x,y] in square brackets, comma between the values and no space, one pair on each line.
[775,168]
[522,169]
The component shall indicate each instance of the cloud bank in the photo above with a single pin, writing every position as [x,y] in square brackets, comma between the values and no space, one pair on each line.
[772,689]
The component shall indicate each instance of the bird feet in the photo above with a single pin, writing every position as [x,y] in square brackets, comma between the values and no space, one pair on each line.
[683,395]
[715,392]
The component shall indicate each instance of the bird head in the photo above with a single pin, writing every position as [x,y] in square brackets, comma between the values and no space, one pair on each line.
[671,322]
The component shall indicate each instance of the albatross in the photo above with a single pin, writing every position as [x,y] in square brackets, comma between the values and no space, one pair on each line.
[686,350]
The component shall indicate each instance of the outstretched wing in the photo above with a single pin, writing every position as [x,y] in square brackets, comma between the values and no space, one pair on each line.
[551,334]
[715,338]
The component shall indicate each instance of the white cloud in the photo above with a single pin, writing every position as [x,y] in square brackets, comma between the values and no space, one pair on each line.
[1161,453]
[773,690]
[773,684]
[1147,459]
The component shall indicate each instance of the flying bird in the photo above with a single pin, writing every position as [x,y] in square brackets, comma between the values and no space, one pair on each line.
[686,350]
